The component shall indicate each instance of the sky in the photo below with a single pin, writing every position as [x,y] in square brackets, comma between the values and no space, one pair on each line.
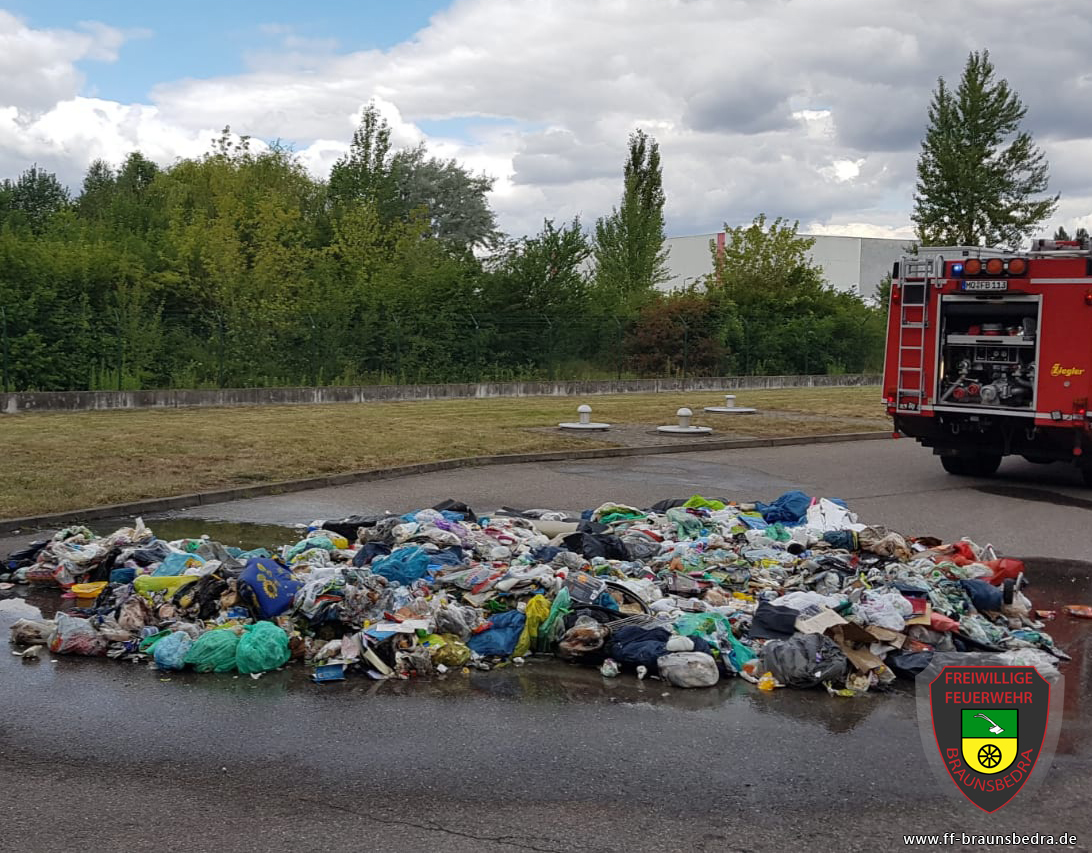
[812,110]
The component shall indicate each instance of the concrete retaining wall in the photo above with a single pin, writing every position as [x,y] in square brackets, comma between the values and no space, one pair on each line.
[71,401]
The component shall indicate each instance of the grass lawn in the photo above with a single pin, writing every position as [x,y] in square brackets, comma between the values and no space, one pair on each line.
[59,462]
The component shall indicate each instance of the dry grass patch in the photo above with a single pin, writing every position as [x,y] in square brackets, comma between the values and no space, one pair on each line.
[58,462]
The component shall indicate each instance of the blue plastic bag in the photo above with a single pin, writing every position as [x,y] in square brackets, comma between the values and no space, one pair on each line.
[791,508]
[176,564]
[170,652]
[501,639]
[403,566]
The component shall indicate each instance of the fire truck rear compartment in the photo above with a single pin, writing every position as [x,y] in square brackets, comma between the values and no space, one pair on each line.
[986,388]
[988,353]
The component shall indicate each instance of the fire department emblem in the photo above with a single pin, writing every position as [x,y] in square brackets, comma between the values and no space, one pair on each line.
[989,723]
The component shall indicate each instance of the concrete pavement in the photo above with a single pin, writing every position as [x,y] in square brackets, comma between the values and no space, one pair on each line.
[545,757]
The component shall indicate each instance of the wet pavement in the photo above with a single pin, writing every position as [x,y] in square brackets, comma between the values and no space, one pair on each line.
[545,756]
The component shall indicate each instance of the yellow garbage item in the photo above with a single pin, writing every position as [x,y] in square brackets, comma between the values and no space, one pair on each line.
[148,584]
[538,611]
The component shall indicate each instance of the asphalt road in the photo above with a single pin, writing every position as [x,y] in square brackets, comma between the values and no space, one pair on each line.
[546,757]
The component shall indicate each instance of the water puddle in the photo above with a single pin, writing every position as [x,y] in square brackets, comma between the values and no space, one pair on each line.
[1025,493]
[18,608]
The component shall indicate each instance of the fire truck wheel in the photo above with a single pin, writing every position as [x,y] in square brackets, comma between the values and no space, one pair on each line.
[984,465]
[979,465]
[955,465]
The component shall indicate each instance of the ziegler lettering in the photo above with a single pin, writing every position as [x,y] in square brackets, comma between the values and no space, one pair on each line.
[1058,370]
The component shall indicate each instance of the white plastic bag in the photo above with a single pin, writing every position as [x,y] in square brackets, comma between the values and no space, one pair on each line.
[826,515]
[689,669]
[75,636]
[884,610]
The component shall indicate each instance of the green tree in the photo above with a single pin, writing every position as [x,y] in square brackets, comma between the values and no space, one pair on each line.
[364,173]
[33,199]
[780,315]
[453,200]
[99,185]
[763,256]
[883,296]
[979,173]
[1062,234]
[407,184]
[630,258]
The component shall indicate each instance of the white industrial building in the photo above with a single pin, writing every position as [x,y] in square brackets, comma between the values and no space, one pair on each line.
[853,264]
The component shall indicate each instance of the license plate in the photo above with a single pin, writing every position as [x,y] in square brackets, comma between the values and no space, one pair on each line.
[985,285]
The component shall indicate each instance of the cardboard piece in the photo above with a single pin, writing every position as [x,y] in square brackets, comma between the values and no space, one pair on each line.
[886,635]
[819,622]
[854,633]
[861,658]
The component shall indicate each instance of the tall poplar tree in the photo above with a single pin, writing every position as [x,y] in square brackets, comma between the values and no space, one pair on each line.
[630,258]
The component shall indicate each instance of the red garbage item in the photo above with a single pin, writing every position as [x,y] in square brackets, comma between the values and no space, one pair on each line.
[1081,611]
[1004,569]
[960,553]
[940,622]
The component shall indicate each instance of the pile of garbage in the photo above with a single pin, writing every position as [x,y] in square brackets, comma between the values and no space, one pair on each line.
[795,593]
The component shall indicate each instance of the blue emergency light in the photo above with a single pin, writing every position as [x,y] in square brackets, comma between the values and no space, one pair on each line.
[957,269]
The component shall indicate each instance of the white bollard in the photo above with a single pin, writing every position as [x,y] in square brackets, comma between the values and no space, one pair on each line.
[584,421]
[684,427]
[729,407]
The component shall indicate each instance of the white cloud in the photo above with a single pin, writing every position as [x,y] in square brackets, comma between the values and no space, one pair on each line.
[811,111]
[38,67]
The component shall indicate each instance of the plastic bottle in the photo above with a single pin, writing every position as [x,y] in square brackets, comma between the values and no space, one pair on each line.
[767,682]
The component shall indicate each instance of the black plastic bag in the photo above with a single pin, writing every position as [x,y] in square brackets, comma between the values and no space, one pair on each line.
[805,660]
[592,545]
[25,556]
[908,664]
[773,622]
[349,525]
[457,506]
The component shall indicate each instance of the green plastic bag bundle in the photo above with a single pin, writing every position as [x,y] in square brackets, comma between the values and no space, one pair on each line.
[263,646]
[687,526]
[560,607]
[716,630]
[214,651]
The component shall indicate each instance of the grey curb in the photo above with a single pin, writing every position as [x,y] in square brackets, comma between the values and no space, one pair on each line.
[156,505]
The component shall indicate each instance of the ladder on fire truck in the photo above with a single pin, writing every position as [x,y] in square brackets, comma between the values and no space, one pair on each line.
[916,274]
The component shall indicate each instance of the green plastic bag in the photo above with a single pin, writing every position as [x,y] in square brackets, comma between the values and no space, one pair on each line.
[214,651]
[698,502]
[716,630]
[687,526]
[559,608]
[263,646]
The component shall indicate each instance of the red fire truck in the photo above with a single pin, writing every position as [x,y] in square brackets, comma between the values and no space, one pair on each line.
[989,354]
